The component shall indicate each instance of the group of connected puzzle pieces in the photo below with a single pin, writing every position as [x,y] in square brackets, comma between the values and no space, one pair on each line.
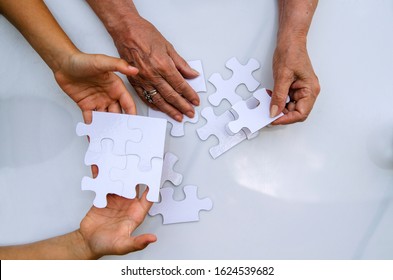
[128,150]
[245,118]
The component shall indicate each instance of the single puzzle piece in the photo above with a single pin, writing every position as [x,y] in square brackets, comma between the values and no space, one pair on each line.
[252,118]
[182,211]
[198,83]
[152,143]
[131,176]
[216,125]
[226,89]
[168,173]
[102,184]
[112,126]
[177,129]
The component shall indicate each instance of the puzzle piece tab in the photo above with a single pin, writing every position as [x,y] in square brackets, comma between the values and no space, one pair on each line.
[102,184]
[152,143]
[132,176]
[198,83]
[226,89]
[216,125]
[177,129]
[112,126]
[186,210]
[168,173]
[252,118]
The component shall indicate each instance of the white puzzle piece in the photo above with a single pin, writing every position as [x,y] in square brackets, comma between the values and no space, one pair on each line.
[186,210]
[216,125]
[198,83]
[226,89]
[168,173]
[131,176]
[112,126]
[152,143]
[255,118]
[177,129]
[102,184]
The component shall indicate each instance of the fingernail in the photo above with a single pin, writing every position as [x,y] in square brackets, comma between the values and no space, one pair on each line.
[195,72]
[273,111]
[195,102]
[190,114]
[179,118]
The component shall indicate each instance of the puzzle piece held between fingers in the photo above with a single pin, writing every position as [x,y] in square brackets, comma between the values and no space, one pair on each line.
[226,89]
[252,118]
[216,125]
[186,210]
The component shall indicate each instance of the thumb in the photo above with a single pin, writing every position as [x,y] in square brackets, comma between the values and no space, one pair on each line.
[279,95]
[113,64]
[140,242]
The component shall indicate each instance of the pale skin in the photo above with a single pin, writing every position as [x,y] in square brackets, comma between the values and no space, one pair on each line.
[103,231]
[161,67]
[89,81]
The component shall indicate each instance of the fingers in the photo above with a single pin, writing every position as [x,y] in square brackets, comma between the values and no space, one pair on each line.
[127,103]
[112,64]
[183,67]
[140,242]
[282,84]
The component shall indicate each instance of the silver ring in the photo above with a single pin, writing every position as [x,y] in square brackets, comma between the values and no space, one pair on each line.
[148,94]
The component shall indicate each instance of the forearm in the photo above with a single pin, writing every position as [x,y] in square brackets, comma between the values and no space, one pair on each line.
[295,18]
[35,22]
[115,15]
[70,246]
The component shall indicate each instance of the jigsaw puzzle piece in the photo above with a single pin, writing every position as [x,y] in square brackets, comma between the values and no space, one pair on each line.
[186,210]
[131,176]
[226,89]
[168,173]
[112,126]
[177,129]
[102,184]
[152,143]
[198,83]
[216,125]
[255,118]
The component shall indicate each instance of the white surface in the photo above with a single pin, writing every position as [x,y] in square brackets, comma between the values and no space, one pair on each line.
[321,189]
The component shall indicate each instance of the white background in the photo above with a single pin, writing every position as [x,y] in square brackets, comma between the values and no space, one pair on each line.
[321,189]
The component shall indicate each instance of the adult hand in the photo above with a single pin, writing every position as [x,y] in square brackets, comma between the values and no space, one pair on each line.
[107,231]
[160,67]
[294,77]
[89,81]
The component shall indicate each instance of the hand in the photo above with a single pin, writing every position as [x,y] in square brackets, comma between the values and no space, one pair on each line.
[294,77]
[160,68]
[107,231]
[89,81]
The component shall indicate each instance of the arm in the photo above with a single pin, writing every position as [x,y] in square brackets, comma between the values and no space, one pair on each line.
[292,70]
[88,79]
[143,46]
[103,231]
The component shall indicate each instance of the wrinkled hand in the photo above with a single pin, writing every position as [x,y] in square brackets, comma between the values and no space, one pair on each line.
[160,68]
[107,231]
[89,81]
[294,77]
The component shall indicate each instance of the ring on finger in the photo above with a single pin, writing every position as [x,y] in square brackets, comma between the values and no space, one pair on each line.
[148,94]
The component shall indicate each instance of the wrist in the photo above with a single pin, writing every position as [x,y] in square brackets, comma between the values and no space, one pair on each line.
[82,248]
